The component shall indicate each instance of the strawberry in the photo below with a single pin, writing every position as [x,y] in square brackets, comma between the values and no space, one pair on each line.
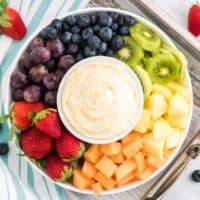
[69,147]
[47,121]
[57,169]
[194,19]
[35,144]
[11,22]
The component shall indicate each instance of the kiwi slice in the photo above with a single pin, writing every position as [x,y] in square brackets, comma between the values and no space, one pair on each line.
[144,79]
[163,68]
[146,38]
[131,53]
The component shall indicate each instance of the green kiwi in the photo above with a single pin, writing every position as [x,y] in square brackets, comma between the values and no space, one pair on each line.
[131,53]
[144,79]
[146,38]
[163,68]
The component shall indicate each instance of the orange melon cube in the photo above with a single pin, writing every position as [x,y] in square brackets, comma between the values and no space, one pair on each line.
[130,137]
[97,188]
[111,149]
[154,161]
[93,154]
[106,166]
[118,158]
[145,174]
[106,182]
[124,169]
[128,178]
[80,181]
[140,161]
[131,148]
[89,170]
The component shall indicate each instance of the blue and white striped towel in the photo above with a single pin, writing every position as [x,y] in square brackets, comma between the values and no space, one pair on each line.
[18,181]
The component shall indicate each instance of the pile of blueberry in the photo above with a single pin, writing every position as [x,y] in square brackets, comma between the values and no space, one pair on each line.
[60,45]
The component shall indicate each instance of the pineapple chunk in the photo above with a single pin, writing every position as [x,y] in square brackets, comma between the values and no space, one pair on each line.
[178,122]
[173,140]
[160,89]
[178,106]
[158,105]
[145,122]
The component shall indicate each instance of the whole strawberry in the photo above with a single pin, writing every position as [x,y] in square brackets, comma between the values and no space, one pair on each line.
[57,169]
[47,121]
[35,144]
[69,147]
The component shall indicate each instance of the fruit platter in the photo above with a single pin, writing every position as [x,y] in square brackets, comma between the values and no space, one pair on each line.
[99,101]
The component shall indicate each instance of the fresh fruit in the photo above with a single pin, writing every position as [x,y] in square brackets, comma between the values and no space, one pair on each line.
[117,43]
[36,42]
[4,148]
[49,33]
[173,140]
[178,122]
[106,182]
[89,170]
[93,154]
[72,48]
[88,51]
[162,90]
[117,158]
[40,55]
[128,178]
[94,42]
[145,174]
[140,161]
[124,169]
[56,47]
[105,19]
[57,24]
[194,19]
[32,93]
[57,169]
[196,176]
[124,30]
[18,80]
[18,95]
[133,136]
[66,37]
[66,61]
[36,73]
[47,121]
[105,34]
[97,188]
[50,98]
[71,20]
[130,53]
[83,20]
[144,79]
[24,63]
[76,38]
[106,166]
[86,33]
[111,148]
[145,37]
[154,161]
[35,144]
[69,147]
[50,81]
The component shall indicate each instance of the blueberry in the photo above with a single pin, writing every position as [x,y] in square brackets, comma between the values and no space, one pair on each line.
[57,24]
[114,33]
[114,16]
[105,19]
[72,49]
[86,33]
[75,29]
[94,18]
[120,21]
[96,28]
[109,52]
[4,148]
[88,51]
[51,65]
[124,30]
[76,38]
[66,37]
[103,48]
[114,26]
[79,56]
[84,20]
[117,43]
[70,20]
[94,42]
[105,33]
[129,20]
[196,176]
[49,33]
[65,26]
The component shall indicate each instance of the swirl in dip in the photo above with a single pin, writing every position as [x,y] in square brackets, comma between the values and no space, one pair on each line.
[99,98]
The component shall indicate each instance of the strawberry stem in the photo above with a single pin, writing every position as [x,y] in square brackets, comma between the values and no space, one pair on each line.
[3,5]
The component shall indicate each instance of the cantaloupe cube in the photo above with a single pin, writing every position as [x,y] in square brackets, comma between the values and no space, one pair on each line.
[106,166]
[89,170]
[106,182]
[154,161]
[111,148]
[97,188]
[80,181]
[131,148]
[118,158]
[128,178]
[130,137]
[124,169]
[168,153]
[145,174]
[93,154]
[140,161]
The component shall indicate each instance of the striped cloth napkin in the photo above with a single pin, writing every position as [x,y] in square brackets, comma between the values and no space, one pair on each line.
[18,181]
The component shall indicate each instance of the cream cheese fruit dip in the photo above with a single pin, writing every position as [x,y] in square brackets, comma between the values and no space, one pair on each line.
[99,97]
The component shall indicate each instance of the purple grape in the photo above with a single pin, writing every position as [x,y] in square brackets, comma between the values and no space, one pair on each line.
[66,62]
[60,73]
[36,42]
[24,63]
[72,49]
[50,98]
[56,47]
[18,80]
[32,93]
[40,55]
[36,73]
[50,81]
[18,95]
[51,65]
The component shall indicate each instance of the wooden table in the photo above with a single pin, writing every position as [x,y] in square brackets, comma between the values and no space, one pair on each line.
[194,69]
